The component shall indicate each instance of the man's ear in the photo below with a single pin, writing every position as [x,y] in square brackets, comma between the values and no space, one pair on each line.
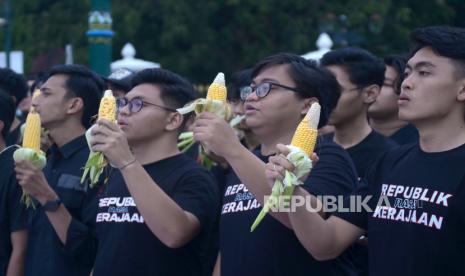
[307,104]
[74,105]
[370,93]
[461,92]
[174,121]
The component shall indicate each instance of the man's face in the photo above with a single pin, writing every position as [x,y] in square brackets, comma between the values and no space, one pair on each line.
[385,105]
[430,88]
[280,108]
[53,103]
[350,103]
[148,123]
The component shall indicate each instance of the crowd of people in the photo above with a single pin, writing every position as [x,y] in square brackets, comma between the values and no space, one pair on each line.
[391,134]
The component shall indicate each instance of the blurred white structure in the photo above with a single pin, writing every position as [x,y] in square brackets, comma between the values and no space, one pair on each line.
[16,61]
[130,62]
[324,44]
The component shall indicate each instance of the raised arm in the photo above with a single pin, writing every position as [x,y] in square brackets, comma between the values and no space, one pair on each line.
[217,136]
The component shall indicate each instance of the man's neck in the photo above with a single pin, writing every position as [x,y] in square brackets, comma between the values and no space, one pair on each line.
[387,126]
[441,135]
[2,144]
[352,133]
[149,151]
[66,132]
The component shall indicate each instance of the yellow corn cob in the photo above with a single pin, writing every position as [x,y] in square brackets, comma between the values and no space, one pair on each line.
[304,139]
[107,108]
[307,131]
[31,137]
[217,90]
[96,162]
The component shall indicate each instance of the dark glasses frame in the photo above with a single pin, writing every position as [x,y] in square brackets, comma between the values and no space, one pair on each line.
[263,89]
[136,104]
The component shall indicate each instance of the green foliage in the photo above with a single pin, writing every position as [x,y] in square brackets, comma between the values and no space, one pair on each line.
[199,38]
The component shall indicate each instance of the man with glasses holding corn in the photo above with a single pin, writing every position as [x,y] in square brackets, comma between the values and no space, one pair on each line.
[283,88]
[156,212]
[416,193]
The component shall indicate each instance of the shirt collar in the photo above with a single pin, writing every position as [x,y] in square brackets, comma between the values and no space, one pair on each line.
[70,148]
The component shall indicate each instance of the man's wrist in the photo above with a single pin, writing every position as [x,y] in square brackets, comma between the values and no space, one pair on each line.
[50,196]
[234,152]
[127,164]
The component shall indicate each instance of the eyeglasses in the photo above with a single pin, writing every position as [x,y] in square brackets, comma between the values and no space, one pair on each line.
[136,104]
[263,89]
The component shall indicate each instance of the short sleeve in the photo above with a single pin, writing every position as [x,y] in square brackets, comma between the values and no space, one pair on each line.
[364,194]
[357,217]
[197,193]
[334,174]
[81,240]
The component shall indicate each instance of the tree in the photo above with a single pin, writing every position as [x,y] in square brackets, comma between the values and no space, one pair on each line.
[199,38]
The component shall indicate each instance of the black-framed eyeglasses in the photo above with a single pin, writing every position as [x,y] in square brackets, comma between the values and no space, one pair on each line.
[263,89]
[136,104]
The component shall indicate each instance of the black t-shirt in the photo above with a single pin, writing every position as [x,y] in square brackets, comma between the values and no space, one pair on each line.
[45,252]
[126,246]
[13,216]
[422,232]
[273,249]
[406,135]
[365,153]
[12,137]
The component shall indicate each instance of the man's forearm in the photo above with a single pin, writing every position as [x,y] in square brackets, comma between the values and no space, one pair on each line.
[165,218]
[324,239]
[217,268]
[16,264]
[60,220]
[251,171]
[18,254]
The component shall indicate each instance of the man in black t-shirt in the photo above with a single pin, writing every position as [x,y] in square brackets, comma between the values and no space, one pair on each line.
[415,194]
[283,88]
[157,210]
[384,112]
[69,98]
[13,219]
[360,75]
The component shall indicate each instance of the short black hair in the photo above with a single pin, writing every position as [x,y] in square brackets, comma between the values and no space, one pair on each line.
[38,80]
[84,84]
[364,68]
[398,63]
[445,41]
[176,91]
[310,78]
[14,84]
[7,112]
[238,80]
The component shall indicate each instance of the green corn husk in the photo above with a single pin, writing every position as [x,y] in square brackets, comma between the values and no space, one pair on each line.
[37,159]
[284,189]
[95,164]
